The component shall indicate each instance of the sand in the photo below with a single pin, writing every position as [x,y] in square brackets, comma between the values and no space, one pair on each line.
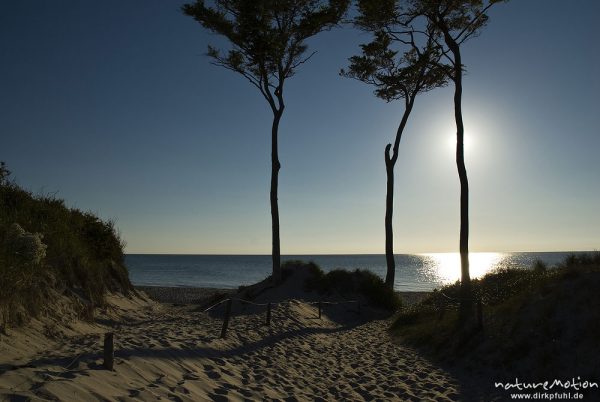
[174,352]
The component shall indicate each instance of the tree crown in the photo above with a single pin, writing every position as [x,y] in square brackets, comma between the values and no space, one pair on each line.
[267,37]
[395,75]
[460,19]
[446,23]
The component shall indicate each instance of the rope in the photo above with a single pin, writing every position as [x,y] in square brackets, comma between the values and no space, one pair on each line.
[328,302]
[244,301]
[215,305]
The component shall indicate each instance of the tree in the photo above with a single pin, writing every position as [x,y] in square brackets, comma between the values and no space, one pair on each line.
[454,22]
[267,40]
[395,76]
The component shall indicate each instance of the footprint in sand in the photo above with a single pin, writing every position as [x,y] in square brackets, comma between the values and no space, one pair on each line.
[213,375]
[221,391]
[218,398]
[191,376]
[134,392]
[246,393]
[175,398]
[218,362]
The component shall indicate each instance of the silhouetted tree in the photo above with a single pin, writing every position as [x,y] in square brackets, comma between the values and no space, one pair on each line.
[395,76]
[267,40]
[454,22]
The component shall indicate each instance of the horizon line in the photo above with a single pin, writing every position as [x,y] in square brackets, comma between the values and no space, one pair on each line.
[329,254]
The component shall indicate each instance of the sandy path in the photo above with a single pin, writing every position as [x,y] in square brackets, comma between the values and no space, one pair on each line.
[174,353]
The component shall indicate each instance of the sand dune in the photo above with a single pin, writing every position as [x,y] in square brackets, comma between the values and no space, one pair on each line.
[175,353]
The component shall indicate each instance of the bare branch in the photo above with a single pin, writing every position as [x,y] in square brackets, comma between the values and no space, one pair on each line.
[472,22]
[300,62]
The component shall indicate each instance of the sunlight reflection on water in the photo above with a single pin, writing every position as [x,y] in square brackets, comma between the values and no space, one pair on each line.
[445,267]
[422,272]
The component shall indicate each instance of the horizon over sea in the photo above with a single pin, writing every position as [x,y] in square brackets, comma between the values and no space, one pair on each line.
[414,272]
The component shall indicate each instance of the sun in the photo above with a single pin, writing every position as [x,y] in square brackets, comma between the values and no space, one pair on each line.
[468,141]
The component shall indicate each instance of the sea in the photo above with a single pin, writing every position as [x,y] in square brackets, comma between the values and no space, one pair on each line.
[414,272]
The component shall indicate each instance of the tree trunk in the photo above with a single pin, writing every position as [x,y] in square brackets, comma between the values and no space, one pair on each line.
[390,162]
[275,166]
[466,303]
[389,211]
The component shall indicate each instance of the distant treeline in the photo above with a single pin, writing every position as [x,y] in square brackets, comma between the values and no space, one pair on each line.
[48,249]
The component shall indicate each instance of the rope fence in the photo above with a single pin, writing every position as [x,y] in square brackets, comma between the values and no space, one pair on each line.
[108,344]
[269,306]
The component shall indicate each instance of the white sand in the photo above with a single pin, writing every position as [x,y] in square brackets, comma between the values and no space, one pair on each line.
[175,353]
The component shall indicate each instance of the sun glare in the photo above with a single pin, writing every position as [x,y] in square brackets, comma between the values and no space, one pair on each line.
[446,266]
[468,140]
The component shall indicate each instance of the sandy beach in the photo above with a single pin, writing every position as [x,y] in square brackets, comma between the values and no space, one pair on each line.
[174,352]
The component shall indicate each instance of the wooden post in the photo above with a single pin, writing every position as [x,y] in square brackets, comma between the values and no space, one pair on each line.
[479,314]
[226,319]
[320,307]
[109,350]
[268,314]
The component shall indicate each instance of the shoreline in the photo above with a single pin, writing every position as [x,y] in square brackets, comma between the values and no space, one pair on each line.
[199,295]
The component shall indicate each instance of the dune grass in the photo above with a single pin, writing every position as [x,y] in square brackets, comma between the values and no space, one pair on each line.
[541,316]
[46,246]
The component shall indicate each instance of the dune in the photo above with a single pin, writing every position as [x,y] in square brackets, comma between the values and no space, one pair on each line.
[174,352]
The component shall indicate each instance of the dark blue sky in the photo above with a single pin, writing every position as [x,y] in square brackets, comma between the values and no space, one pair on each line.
[113,106]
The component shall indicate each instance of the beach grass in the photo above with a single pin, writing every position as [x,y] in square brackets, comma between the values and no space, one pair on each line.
[47,247]
[533,320]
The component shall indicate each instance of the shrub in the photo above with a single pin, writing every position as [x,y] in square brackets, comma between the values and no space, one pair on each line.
[24,246]
[348,284]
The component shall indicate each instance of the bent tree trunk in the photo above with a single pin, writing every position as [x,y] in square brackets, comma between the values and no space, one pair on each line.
[275,166]
[390,162]
[466,303]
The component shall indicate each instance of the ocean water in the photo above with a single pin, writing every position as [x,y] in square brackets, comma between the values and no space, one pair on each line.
[414,272]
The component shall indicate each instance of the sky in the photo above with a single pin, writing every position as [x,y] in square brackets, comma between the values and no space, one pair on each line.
[114,107]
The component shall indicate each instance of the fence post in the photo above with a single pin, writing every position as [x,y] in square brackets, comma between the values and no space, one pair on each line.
[268,314]
[320,307]
[226,319]
[479,314]
[109,350]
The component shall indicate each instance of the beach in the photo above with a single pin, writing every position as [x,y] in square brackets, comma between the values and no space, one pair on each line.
[174,352]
